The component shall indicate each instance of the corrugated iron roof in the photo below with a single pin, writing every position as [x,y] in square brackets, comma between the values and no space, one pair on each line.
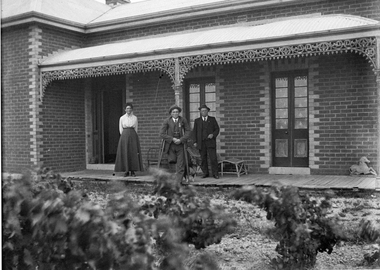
[226,36]
[76,11]
[151,7]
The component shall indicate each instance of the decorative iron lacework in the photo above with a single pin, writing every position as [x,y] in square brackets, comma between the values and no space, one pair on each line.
[166,65]
[363,46]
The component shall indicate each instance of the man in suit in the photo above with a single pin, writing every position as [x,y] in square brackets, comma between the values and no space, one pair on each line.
[175,131]
[205,131]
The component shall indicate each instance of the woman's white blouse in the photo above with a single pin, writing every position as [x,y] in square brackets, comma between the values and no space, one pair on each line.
[127,121]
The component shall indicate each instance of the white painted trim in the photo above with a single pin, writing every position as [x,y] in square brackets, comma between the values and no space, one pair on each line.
[105,167]
[289,170]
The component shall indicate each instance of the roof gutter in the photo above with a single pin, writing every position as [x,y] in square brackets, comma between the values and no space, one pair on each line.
[33,17]
[331,35]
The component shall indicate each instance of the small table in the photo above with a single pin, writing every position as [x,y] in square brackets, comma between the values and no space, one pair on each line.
[239,166]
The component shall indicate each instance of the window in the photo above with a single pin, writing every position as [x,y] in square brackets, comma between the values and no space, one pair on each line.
[198,92]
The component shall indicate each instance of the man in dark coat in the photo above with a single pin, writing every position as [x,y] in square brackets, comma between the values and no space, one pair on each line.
[175,131]
[205,131]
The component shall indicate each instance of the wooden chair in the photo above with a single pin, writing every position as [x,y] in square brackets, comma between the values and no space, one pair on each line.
[235,166]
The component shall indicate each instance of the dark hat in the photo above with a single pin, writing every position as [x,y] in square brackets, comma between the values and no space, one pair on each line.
[204,107]
[174,107]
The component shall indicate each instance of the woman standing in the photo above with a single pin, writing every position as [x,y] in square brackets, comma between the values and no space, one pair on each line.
[128,157]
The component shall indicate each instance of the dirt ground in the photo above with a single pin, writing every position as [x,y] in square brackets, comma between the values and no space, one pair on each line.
[251,247]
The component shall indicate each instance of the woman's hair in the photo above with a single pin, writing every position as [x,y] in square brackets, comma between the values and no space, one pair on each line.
[129,104]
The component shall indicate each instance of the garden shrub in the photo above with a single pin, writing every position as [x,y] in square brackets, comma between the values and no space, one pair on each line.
[369,230]
[200,224]
[300,221]
[46,228]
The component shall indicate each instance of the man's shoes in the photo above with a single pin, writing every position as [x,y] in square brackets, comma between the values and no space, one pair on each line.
[205,176]
[216,176]
[133,174]
[126,174]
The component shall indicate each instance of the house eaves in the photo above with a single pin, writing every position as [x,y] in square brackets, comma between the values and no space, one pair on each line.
[234,38]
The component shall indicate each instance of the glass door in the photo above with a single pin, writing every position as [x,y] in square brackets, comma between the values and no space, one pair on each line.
[290,119]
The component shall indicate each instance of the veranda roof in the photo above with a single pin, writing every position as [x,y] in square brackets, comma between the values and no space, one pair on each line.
[267,34]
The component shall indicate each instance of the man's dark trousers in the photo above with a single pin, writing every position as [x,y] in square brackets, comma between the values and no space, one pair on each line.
[209,152]
[176,160]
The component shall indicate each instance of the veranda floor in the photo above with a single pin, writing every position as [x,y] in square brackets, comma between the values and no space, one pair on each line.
[339,182]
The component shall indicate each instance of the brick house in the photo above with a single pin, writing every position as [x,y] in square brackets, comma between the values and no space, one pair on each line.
[294,84]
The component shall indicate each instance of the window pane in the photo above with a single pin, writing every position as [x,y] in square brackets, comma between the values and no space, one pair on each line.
[195,88]
[300,102]
[282,92]
[281,82]
[300,124]
[194,107]
[300,81]
[281,148]
[300,148]
[210,87]
[210,97]
[300,113]
[300,91]
[282,103]
[281,123]
[281,113]
[194,98]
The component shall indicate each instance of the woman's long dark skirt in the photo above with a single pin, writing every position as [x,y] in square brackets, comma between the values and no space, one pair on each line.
[128,157]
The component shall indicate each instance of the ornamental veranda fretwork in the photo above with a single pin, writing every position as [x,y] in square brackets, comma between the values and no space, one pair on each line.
[363,46]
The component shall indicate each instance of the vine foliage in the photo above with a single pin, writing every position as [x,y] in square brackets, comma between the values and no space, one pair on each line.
[199,222]
[300,222]
[48,225]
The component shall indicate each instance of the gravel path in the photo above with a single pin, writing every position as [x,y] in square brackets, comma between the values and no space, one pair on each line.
[252,247]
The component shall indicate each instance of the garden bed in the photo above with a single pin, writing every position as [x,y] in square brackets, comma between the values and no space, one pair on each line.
[252,245]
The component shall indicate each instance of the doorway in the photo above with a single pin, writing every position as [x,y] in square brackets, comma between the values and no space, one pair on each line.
[290,119]
[107,109]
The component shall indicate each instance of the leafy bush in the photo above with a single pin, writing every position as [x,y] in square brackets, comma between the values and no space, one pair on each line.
[46,228]
[301,223]
[199,223]
[370,231]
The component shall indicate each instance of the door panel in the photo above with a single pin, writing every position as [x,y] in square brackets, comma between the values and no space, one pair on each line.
[290,119]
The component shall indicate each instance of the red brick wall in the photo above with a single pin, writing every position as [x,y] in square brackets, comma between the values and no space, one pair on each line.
[62,111]
[347,112]
[15,124]
[241,110]
[63,118]
[365,8]
[151,105]
[54,39]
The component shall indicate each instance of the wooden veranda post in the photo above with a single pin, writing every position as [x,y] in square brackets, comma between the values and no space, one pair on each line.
[377,72]
[177,82]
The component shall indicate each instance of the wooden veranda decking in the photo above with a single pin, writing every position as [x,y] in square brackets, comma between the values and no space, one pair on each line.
[338,182]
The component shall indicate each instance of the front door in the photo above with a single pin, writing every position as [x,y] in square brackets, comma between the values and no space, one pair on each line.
[108,107]
[290,121]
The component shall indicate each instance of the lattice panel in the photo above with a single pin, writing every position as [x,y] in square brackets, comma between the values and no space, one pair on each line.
[363,46]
